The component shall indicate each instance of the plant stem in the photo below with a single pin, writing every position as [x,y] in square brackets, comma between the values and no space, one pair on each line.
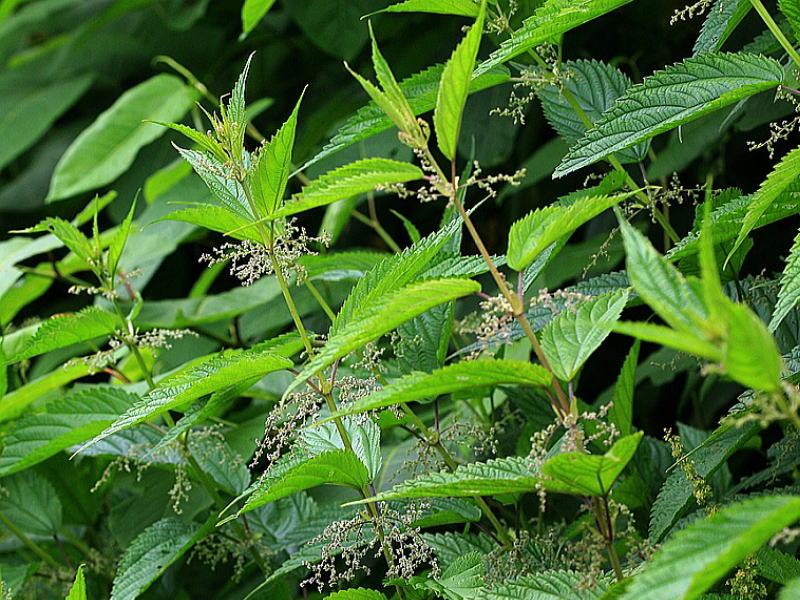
[32,546]
[776,30]
[320,300]
[378,228]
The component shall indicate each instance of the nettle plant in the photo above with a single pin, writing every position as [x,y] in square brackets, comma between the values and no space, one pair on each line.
[425,433]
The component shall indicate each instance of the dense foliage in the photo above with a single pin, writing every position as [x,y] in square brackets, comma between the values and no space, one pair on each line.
[505,307]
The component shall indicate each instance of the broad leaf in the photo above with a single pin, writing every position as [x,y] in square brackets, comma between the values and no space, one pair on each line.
[73,420]
[364,436]
[59,332]
[549,585]
[226,369]
[152,552]
[108,147]
[298,471]
[462,376]
[454,88]
[353,179]
[693,560]
[722,19]
[667,99]
[386,314]
[547,24]
[356,594]
[584,474]
[571,338]
[595,86]
[462,579]
[535,232]
[621,412]
[498,476]
[31,503]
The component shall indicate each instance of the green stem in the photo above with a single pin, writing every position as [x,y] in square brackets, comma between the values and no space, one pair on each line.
[384,235]
[32,546]
[320,300]
[776,31]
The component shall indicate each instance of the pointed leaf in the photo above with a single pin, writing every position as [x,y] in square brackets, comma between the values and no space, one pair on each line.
[78,589]
[464,8]
[789,294]
[621,412]
[679,94]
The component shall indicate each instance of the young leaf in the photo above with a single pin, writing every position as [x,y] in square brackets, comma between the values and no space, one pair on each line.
[551,20]
[693,560]
[571,338]
[72,420]
[621,412]
[420,90]
[217,218]
[108,147]
[365,439]
[785,173]
[299,471]
[660,284]
[454,88]
[463,578]
[59,332]
[152,552]
[270,173]
[228,368]
[534,233]
[117,244]
[229,192]
[584,474]
[78,589]
[679,94]
[497,476]
[356,594]
[252,13]
[350,180]
[683,341]
[387,313]
[462,376]
[789,294]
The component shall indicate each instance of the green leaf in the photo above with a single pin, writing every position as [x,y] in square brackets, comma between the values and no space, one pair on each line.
[270,173]
[676,495]
[31,503]
[353,179]
[694,559]
[789,293]
[791,590]
[298,471]
[791,11]
[571,338]
[78,589]
[549,585]
[532,234]
[785,173]
[14,403]
[722,19]
[750,355]
[229,192]
[252,13]
[682,341]
[595,86]
[70,236]
[365,439]
[462,579]
[621,412]
[386,314]
[464,8]
[108,147]
[679,94]
[660,284]
[118,242]
[420,90]
[551,20]
[226,369]
[28,111]
[454,88]
[497,476]
[152,552]
[58,332]
[217,218]
[584,474]
[356,594]
[458,377]
[69,421]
